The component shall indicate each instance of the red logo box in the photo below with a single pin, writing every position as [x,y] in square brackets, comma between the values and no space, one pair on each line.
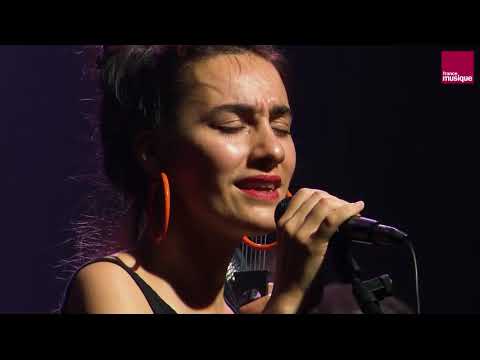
[457,67]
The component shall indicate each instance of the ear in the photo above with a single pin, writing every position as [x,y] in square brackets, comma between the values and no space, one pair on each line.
[147,150]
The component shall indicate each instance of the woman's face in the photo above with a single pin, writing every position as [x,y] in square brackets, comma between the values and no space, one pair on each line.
[233,124]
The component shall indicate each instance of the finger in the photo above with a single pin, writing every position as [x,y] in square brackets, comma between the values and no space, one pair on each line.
[296,201]
[270,289]
[315,218]
[296,221]
[300,197]
[336,218]
[318,215]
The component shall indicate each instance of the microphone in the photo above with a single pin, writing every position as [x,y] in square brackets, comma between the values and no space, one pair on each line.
[359,229]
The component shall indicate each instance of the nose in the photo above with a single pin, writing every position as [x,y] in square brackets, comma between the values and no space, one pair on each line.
[267,150]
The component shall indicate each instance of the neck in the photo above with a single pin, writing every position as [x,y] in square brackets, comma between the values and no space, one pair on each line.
[193,261]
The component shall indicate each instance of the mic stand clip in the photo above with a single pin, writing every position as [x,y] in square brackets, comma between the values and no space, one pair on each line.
[369,293]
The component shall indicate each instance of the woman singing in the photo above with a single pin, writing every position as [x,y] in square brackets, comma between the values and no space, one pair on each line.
[198,140]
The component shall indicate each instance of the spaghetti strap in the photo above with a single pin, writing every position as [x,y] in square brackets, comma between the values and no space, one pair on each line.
[156,303]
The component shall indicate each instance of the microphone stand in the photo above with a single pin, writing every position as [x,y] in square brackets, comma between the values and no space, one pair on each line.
[368,294]
[366,299]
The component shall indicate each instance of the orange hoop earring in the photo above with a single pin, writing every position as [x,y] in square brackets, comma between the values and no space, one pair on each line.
[252,244]
[159,232]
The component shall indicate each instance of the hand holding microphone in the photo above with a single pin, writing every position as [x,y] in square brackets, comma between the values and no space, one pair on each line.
[304,231]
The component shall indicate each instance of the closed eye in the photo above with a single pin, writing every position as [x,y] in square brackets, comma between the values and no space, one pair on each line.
[247,112]
[282,131]
[228,127]
[232,118]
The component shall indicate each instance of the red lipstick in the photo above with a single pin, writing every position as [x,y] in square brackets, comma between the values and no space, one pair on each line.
[261,187]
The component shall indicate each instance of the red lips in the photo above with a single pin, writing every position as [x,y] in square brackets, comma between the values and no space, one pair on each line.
[261,187]
[260,182]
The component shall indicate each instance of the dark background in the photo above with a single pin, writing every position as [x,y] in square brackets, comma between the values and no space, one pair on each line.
[372,123]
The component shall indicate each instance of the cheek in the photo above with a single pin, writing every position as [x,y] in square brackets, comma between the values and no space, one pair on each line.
[211,161]
[204,173]
[290,161]
[225,156]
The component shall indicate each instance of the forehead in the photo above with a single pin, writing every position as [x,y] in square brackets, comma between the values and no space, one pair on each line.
[243,78]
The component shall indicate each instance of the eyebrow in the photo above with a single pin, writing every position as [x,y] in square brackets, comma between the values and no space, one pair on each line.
[275,111]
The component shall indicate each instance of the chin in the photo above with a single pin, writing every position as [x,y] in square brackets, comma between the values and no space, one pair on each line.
[258,228]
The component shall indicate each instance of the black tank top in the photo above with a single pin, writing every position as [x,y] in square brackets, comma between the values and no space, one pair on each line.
[156,303]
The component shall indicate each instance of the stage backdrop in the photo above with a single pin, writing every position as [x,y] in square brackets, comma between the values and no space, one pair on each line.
[371,123]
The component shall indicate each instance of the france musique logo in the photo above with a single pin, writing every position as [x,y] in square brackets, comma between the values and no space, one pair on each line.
[457,67]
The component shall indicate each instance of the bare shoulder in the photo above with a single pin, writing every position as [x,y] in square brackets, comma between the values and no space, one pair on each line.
[105,288]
